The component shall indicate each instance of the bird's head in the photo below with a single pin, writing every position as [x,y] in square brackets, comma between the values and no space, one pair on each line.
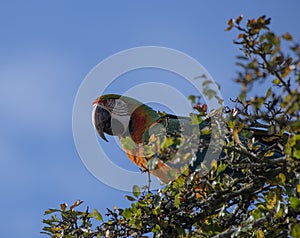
[118,115]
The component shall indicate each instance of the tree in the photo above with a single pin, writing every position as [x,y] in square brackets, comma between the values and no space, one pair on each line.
[260,197]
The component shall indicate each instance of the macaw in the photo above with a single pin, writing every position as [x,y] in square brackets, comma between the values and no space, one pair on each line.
[152,139]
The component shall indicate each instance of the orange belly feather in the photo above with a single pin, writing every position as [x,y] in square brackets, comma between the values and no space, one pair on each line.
[162,170]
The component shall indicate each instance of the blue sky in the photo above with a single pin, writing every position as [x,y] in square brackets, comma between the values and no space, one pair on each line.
[46,50]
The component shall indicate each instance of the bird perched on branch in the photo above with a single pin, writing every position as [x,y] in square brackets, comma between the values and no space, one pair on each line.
[164,145]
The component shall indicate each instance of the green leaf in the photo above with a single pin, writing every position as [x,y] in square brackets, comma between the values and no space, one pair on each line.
[257,213]
[296,231]
[177,200]
[130,198]
[98,215]
[205,130]
[295,126]
[221,168]
[279,214]
[136,191]
[156,228]
[281,178]
[128,143]
[196,119]
[127,214]
[231,124]
[295,203]
[138,223]
[271,199]
[142,203]
[268,94]
[167,142]
[294,145]
[156,211]
[192,98]
[276,81]
[49,211]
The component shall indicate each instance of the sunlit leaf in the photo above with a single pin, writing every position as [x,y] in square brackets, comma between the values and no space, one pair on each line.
[281,178]
[257,213]
[156,211]
[221,168]
[167,142]
[97,214]
[127,214]
[298,188]
[177,200]
[260,234]
[128,143]
[279,213]
[295,233]
[269,153]
[156,228]
[136,191]
[214,165]
[295,203]
[205,130]
[271,200]
[231,124]
[196,119]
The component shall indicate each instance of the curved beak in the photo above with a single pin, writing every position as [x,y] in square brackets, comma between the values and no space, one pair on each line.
[101,120]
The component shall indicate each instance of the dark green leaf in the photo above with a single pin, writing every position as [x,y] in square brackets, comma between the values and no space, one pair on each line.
[130,198]
[192,98]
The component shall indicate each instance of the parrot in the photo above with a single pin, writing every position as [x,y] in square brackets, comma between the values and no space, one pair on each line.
[162,144]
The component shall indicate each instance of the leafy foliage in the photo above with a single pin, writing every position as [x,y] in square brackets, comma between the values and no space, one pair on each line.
[252,190]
